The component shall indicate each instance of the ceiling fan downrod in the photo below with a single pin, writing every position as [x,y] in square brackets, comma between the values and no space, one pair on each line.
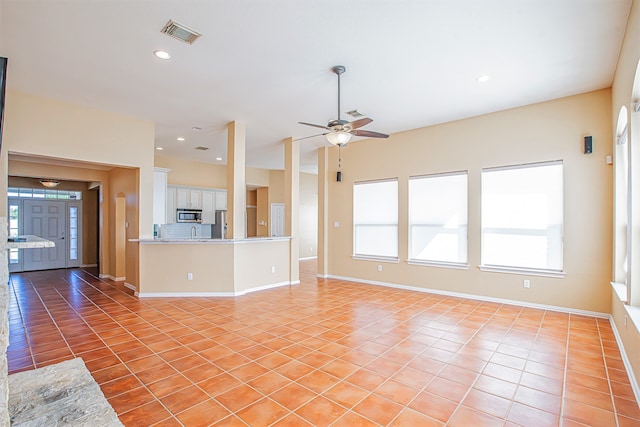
[338,70]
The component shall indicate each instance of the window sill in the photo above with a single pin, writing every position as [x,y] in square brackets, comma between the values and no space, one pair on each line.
[394,260]
[632,312]
[621,291]
[523,271]
[454,265]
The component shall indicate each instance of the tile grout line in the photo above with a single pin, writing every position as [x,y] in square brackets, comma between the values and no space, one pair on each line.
[606,369]
[107,345]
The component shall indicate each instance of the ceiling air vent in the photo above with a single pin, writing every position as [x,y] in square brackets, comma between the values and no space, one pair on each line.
[355,113]
[201,148]
[180,32]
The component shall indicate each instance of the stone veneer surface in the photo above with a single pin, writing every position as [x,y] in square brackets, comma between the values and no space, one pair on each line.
[4,323]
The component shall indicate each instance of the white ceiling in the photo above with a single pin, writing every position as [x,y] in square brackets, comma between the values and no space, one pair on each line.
[410,63]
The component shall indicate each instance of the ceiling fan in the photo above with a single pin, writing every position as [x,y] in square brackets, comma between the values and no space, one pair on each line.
[340,131]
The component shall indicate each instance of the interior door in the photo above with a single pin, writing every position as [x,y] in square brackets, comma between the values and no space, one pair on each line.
[47,219]
[277,219]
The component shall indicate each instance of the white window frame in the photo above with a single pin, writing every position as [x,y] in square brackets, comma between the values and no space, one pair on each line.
[523,269]
[433,262]
[375,257]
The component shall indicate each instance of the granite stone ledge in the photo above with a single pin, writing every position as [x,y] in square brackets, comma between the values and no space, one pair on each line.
[64,394]
[4,323]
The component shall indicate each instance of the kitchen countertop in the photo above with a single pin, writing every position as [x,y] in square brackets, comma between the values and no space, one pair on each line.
[29,241]
[207,240]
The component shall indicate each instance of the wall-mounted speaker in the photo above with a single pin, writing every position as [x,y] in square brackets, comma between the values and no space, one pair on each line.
[588,144]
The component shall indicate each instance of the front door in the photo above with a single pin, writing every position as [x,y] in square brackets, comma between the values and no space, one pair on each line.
[47,219]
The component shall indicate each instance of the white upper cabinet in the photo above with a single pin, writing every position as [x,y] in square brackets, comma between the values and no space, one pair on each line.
[159,195]
[221,200]
[209,200]
[188,198]
[208,207]
[171,205]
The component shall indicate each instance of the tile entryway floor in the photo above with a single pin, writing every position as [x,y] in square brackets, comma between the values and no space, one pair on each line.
[326,352]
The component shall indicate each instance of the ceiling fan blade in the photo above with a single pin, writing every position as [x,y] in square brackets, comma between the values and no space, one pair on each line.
[315,126]
[360,122]
[312,136]
[369,134]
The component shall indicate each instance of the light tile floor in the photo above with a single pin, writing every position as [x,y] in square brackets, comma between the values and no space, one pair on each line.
[326,352]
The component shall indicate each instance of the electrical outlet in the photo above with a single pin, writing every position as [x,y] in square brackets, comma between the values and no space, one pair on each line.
[379,267]
[273,269]
[189,276]
[336,224]
[526,283]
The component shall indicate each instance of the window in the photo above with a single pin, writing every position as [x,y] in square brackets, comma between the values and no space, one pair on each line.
[14,230]
[41,193]
[73,232]
[522,213]
[438,218]
[375,219]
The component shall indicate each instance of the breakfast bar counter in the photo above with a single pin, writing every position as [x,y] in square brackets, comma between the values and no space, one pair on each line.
[212,267]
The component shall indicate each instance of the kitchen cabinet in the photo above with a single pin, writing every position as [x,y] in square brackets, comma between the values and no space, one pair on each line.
[188,198]
[209,200]
[159,195]
[208,207]
[221,200]
[171,205]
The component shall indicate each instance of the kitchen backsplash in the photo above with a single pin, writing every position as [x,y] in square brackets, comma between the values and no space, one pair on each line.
[183,231]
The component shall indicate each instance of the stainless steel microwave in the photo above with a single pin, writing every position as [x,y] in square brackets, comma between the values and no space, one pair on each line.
[189,215]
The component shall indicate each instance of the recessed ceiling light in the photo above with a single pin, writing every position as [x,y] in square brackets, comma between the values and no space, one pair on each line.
[181,139]
[162,54]
[196,128]
[159,148]
[218,158]
[483,79]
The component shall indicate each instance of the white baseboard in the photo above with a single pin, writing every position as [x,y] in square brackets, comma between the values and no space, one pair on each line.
[625,361]
[308,258]
[213,294]
[130,286]
[88,265]
[473,297]
[110,277]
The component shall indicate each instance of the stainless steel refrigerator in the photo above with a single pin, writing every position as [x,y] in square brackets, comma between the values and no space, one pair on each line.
[219,229]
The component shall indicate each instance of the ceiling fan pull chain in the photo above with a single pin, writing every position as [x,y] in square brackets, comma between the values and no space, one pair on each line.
[339,156]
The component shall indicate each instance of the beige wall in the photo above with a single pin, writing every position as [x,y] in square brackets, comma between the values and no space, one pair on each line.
[622,95]
[215,267]
[257,177]
[200,174]
[194,174]
[261,263]
[52,131]
[276,186]
[548,131]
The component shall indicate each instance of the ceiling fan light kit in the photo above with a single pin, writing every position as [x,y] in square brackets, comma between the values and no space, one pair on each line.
[339,138]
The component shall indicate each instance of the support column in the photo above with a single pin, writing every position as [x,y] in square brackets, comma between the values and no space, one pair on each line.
[236,185]
[323,212]
[292,204]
